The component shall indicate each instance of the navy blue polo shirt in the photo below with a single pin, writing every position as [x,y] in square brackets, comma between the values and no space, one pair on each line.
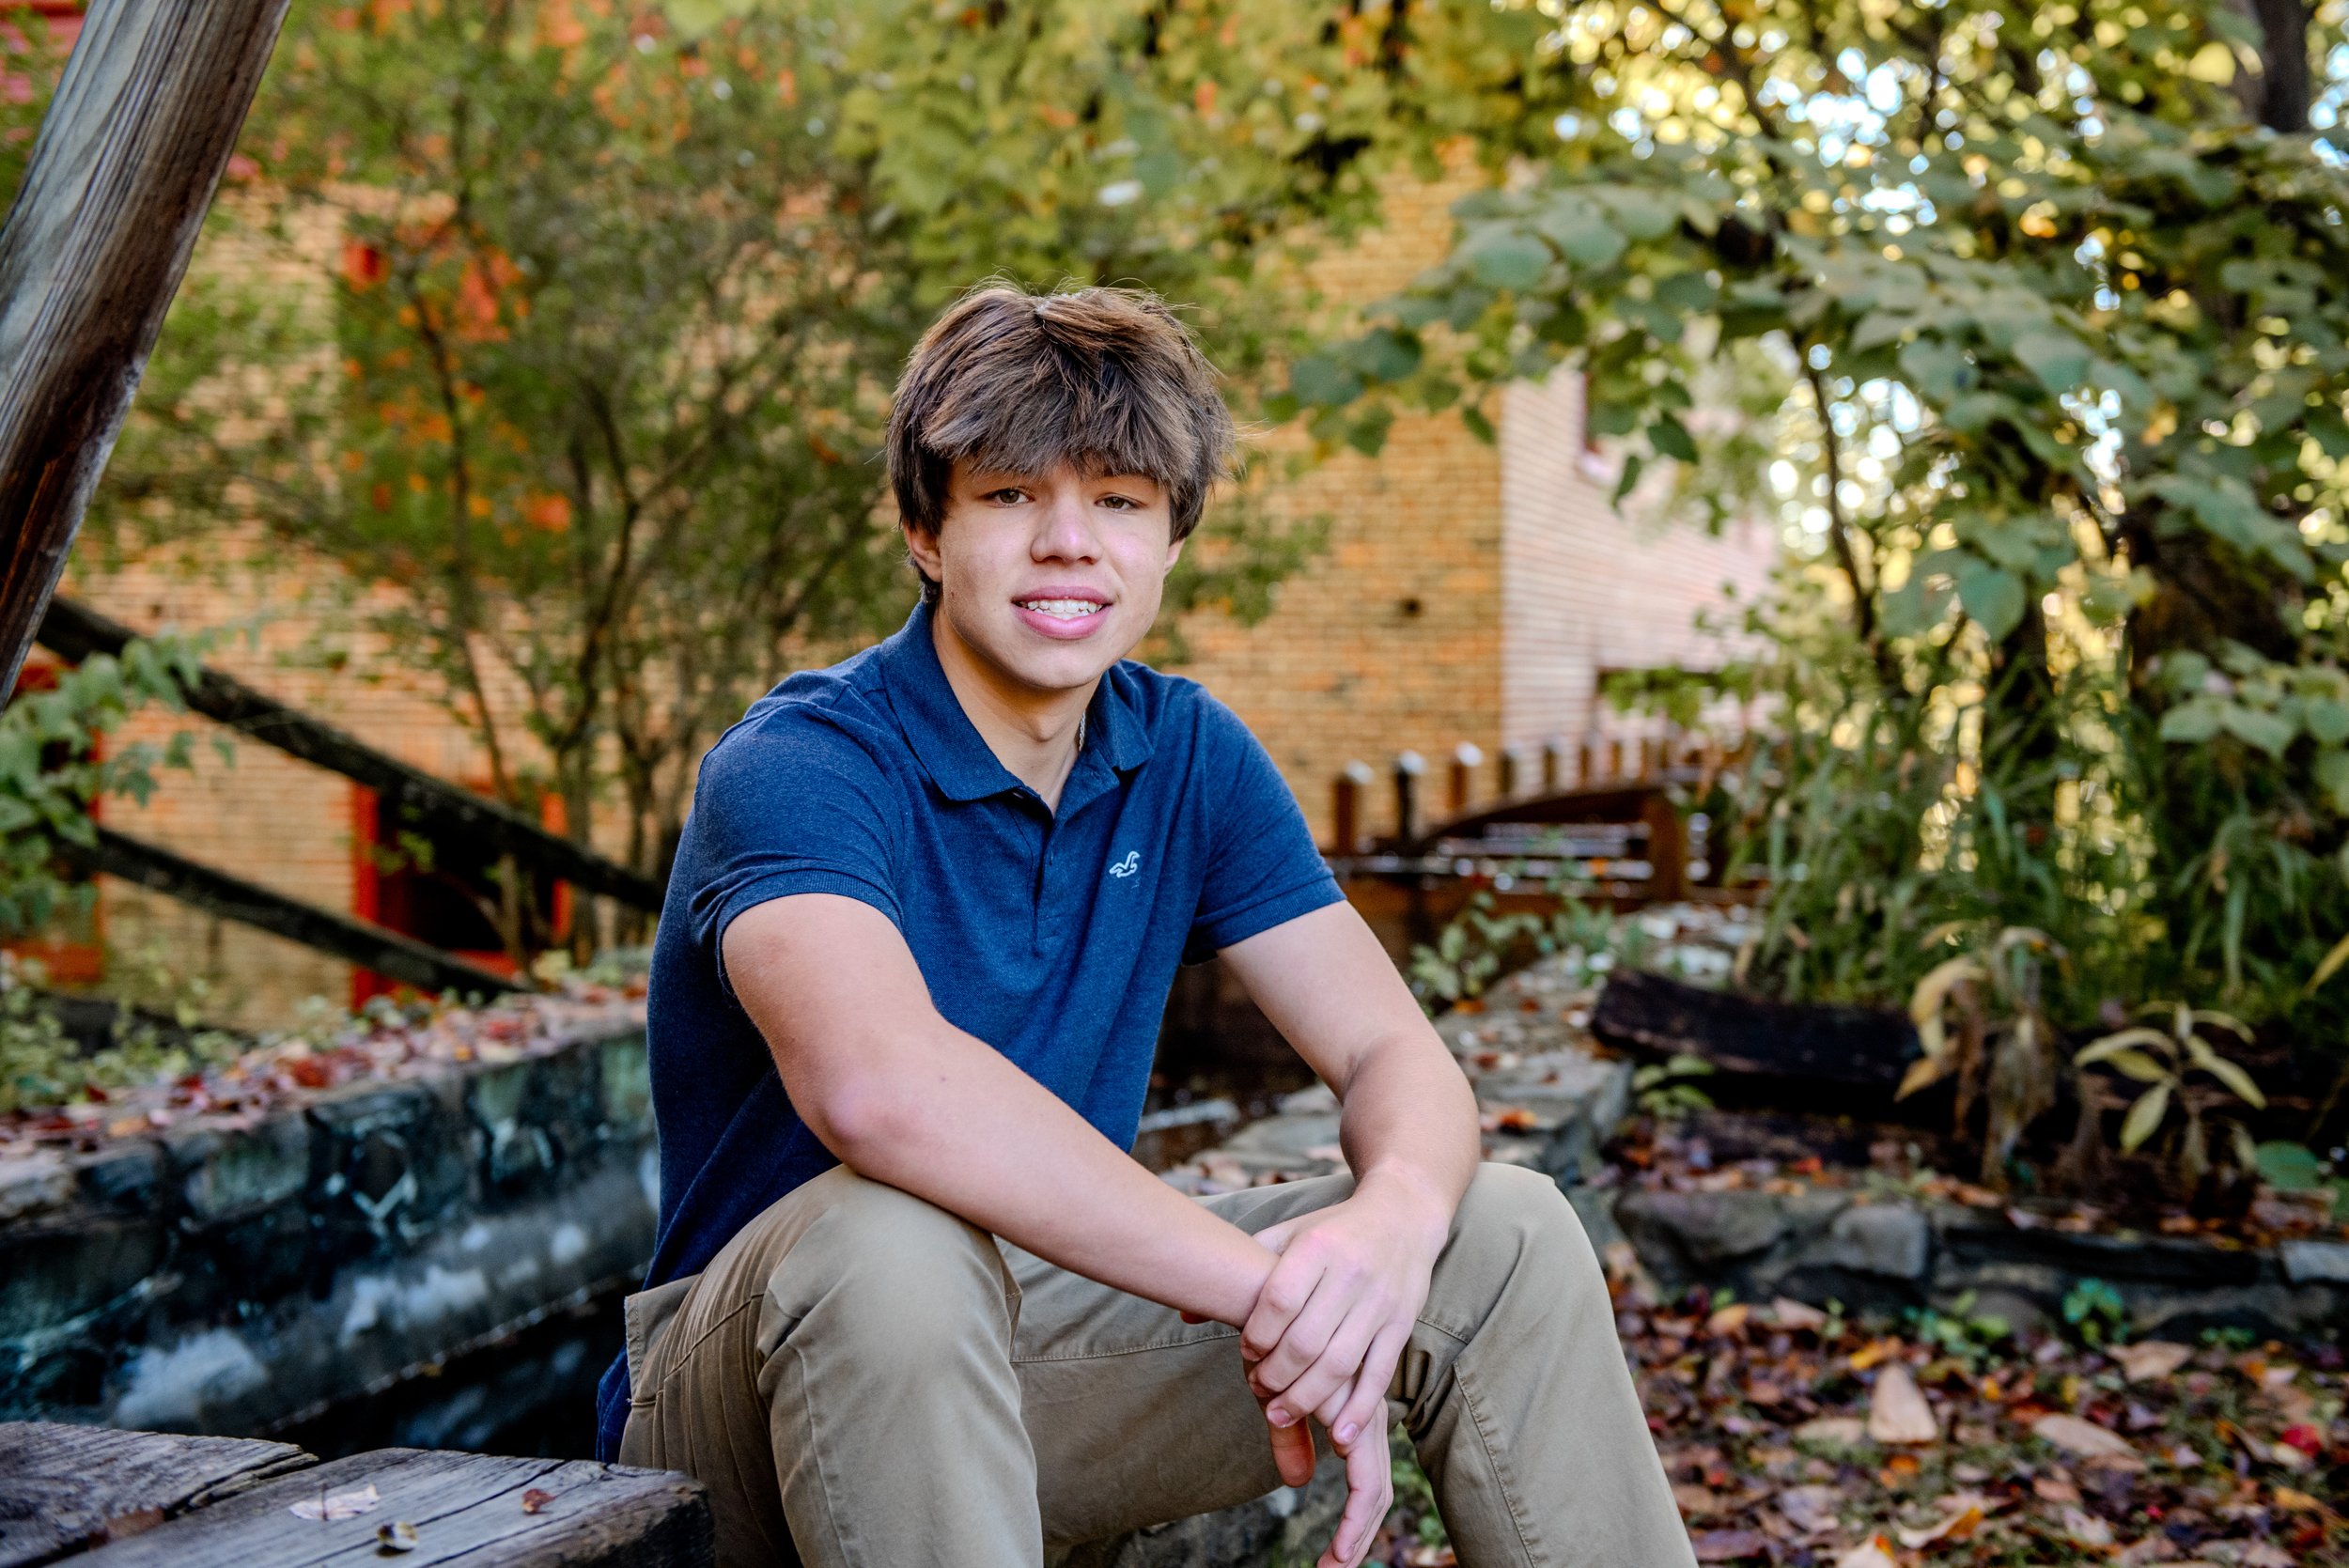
[1053,936]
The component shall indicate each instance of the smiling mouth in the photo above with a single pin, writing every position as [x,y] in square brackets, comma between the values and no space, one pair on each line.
[1062,609]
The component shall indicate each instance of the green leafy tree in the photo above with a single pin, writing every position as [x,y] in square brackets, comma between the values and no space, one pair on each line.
[2029,322]
[565,330]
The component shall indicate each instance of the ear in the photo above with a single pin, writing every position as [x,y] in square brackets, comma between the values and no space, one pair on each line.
[1175,551]
[922,544]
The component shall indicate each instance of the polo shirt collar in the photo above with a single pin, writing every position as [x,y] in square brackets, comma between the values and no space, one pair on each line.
[949,746]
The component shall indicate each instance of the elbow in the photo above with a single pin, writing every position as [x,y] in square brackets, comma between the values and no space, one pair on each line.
[863,1118]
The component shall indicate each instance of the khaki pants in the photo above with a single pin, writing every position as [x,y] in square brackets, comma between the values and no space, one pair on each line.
[864,1380]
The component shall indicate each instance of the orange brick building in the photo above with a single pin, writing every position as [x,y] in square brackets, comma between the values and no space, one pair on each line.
[1470,593]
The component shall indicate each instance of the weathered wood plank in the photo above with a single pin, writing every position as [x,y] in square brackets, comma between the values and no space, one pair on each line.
[1863,1048]
[409,796]
[129,154]
[386,952]
[66,1488]
[463,1506]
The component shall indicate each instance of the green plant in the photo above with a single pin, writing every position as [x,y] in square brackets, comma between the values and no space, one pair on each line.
[2161,1059]
[2004,1051]
[1665,1090]
[1960,1332]
[2094,1312]
[1479,945]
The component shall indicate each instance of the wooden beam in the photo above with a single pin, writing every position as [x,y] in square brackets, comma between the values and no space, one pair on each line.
[409,796]
[122,175]
[388,953]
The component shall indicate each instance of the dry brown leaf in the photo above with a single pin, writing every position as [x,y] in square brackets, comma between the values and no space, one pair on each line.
[1811,1510]
[1729,1319]
[1897,1411]
[2049,1488]
[1790,1313]
[534,1500]
[1874,1552]
[1874,1352]
[2084,1528]
[2083,1438]
[1956,1527]
[2149,1360]
[1729,1545]
[398,1536]
[1841,1431]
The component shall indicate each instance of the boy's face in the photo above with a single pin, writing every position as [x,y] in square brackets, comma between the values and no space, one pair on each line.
[1050,578]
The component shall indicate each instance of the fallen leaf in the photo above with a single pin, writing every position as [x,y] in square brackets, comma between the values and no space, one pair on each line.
[2297,1502]
[1897,1411]
[2083,1438]
[1729,1320]
[1790,1313]
[2264,1554]
[1729,1545]
[2149,1360]
[1811,1510]
[1874,1352]
[2049,1488]
[398,1536]
[342,1505]
[1957,1526]
[2084,1528]
[535,1502]
[1874,1552]
[1841,1431]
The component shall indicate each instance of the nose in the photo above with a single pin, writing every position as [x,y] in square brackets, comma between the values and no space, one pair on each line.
[1065,529]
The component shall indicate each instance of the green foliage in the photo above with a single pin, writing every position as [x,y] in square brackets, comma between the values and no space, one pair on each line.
[41,1065]
[2035,342]
[567,329]
[1960,1333]
[2095,1314]
[54,767]
[1665,1090]
[1478,946]
[2161,1059]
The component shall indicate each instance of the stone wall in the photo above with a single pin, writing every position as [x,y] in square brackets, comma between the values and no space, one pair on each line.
[239,1273]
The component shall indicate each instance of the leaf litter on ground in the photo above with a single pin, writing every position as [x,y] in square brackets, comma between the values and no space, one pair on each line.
[1804,1438]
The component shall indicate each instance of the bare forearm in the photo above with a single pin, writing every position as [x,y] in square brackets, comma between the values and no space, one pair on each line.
[959,1126]
[1410,1125]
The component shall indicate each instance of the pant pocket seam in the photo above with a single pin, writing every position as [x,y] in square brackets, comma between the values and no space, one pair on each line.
[686,1353]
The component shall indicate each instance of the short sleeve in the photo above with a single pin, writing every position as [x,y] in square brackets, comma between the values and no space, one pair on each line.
[1261,867]
[793,804]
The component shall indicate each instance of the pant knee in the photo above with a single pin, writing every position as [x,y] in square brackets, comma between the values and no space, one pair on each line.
[892,1264]
[1516,1229]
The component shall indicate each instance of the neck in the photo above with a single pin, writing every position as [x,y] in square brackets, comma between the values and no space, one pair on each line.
[1031,732]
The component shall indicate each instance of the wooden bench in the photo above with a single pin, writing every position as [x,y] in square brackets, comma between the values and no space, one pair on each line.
[132,1499]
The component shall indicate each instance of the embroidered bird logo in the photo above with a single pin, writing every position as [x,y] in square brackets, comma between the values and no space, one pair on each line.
[1127,867]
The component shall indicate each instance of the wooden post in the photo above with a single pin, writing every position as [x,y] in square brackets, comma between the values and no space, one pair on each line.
[1346,808]
[1465,758]
[1667,849]
[122,175]
[1511,771]
[1408,768]
[1553,765]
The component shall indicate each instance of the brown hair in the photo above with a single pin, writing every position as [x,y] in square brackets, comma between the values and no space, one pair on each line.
[1106,379]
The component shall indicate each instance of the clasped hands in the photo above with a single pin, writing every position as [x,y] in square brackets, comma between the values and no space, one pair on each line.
[1329,1328]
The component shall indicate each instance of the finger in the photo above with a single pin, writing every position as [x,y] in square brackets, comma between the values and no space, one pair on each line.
[1334,1370]
[1365,1408]
[1370,1490]
[1293,1452]
[1305,1342]
[1285,1291]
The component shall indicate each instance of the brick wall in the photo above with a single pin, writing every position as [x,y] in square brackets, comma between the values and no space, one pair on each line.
[1586,589]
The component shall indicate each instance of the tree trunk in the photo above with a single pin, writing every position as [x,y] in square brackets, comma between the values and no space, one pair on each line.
[2279,97]
[129,155]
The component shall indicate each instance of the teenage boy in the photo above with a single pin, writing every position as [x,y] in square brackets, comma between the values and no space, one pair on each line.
[912,1301]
